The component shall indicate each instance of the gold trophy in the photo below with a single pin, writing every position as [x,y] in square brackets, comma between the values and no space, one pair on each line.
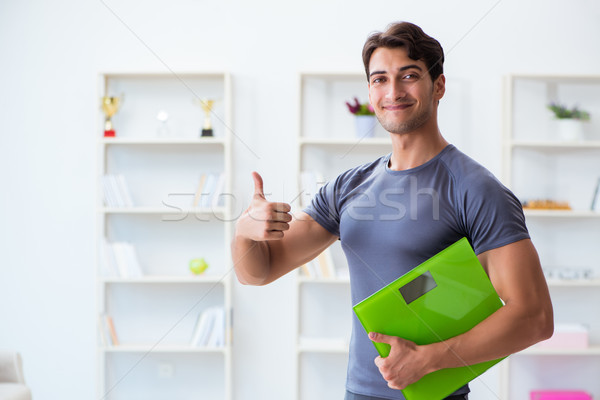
[207,106]
[110,106]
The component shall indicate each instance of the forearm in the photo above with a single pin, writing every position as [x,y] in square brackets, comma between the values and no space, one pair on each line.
[505,332]
[525,319]
[251,260]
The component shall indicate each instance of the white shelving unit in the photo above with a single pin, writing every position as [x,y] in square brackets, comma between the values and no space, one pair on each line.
[539,165]
[327,146]
[155,313]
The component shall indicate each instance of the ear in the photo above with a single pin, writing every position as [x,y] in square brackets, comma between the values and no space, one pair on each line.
[439,87]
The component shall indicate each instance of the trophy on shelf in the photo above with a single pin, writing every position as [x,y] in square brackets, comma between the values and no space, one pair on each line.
[207,106]
[110,106]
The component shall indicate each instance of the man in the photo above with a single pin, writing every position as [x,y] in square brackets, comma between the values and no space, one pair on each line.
[396,212]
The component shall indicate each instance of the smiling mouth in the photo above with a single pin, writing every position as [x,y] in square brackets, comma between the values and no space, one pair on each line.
[398,107]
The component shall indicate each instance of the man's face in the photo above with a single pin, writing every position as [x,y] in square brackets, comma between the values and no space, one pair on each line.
[401,90]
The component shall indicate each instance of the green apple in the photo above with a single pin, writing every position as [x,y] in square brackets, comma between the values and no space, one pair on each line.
[198,266]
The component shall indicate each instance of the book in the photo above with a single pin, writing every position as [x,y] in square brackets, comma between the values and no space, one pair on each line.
[326,265]
[198,195]
[202,329]
[217,334]
[308,269]
[209,330]
[110,197]
[108,262]
[122,260]
[123,190]
[208,190]
[115,191]
[109,327]
[595,206]
[320,267]
[216,196]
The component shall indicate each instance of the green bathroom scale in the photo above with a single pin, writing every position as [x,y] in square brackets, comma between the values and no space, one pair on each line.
[443,297]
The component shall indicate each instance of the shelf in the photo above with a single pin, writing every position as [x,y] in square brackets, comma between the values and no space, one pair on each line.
[323,345]
[345,141]
[334,74]
[540,351]
[163,141]
[561,214]
[539,164]
[163,75]
[217,211]
[592,283]
[557,78]
[168,279]
[163,349]
[163,173]
[339,281]
[557,145]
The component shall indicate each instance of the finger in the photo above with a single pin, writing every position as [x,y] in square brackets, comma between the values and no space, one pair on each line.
[278,226]
[381,338]
[265,214]
[379,361]
[258,185]
[281,207]
[272,235]
[277,212]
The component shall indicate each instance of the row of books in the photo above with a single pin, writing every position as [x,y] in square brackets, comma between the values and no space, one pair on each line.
[321,267]
[108,334]
[116,192]
[120,260]
[208,332]
[210,328]
[209,192]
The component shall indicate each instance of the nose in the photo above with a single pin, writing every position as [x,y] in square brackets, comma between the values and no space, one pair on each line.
[396,91]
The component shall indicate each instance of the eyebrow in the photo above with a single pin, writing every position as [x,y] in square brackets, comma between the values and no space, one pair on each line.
[401,69]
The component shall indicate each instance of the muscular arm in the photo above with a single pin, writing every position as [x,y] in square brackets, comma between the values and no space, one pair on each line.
[525,319]
[269,242]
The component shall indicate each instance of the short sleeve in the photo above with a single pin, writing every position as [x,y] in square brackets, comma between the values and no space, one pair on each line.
[493,216]
[324,208]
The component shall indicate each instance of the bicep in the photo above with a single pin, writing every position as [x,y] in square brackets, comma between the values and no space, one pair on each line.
[516,274]
[305,240]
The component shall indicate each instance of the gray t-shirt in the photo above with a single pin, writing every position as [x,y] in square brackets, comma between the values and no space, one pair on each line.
[391,221]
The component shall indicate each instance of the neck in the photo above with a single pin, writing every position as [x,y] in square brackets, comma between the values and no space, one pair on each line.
[409,150]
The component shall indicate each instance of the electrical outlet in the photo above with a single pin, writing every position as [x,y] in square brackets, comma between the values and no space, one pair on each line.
[165,370]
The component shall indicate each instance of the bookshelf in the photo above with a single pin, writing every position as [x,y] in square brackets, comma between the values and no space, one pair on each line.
[163,213]
[327,146]
[539,164]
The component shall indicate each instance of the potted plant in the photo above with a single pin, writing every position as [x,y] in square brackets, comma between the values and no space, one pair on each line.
[570,120]
[364,116]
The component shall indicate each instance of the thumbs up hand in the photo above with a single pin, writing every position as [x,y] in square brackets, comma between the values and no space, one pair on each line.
[263,220]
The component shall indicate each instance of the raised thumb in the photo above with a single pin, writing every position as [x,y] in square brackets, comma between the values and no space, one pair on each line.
[258,185]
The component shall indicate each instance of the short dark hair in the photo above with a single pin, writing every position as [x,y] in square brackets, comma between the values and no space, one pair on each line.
[419,45]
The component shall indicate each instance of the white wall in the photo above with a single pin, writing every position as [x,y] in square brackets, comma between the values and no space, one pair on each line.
[50,53]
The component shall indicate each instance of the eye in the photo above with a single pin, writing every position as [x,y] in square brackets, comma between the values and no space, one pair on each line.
[377,80]
[410,77]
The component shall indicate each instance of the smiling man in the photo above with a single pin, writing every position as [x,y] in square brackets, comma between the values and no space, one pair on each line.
[439,194]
